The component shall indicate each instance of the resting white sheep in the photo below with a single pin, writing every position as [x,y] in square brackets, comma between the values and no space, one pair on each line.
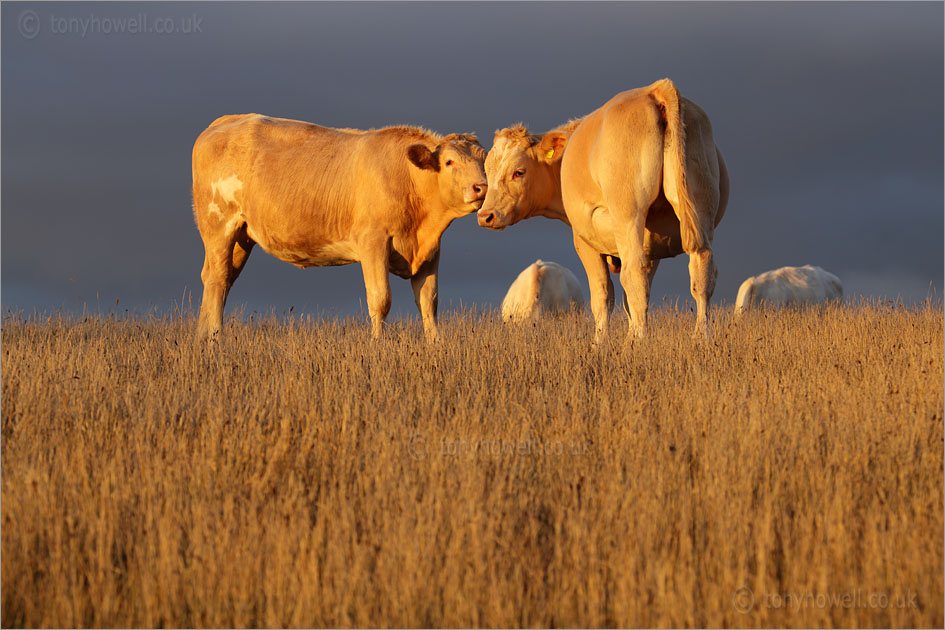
[788,286]
[543,287]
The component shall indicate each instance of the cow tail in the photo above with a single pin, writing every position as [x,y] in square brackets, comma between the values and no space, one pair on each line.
[674,154]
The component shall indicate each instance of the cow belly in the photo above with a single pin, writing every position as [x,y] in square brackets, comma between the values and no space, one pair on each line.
[306,253]
[328,255]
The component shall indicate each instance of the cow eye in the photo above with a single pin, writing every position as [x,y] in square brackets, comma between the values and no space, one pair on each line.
[449,162]
[519,173]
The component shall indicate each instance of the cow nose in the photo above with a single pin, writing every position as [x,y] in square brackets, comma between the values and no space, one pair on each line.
[479,191]
[486,218]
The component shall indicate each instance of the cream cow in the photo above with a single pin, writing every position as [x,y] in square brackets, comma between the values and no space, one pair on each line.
[788,286]
[543,287]
[315,196]
[638,180]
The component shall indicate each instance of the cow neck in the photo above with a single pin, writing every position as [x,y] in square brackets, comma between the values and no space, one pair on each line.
[554,206]
[431,228]
[432,219]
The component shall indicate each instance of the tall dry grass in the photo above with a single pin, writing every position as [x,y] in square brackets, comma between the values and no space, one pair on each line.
[787,473]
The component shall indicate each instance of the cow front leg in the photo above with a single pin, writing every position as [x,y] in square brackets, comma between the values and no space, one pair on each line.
[375,265]
[702,275]
[600,285]
[424,284]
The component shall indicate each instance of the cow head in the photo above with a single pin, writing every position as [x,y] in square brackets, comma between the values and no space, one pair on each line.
[524,175]
[458,163]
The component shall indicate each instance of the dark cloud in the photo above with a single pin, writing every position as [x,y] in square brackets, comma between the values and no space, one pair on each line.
[830,117]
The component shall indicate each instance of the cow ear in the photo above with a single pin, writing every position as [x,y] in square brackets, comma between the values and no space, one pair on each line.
[552,146]
[422,157]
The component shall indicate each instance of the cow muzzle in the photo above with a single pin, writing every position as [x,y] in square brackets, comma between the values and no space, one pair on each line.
[490,219]
[476,192]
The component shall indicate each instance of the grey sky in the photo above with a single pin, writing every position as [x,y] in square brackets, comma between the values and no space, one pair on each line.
[830,117]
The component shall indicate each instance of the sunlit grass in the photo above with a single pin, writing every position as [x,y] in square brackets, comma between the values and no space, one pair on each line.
[298,474]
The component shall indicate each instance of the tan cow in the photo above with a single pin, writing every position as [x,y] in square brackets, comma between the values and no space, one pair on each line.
[315,196]
[543,287]
[638,180]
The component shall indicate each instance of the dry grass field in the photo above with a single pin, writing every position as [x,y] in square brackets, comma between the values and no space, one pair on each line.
[787,473]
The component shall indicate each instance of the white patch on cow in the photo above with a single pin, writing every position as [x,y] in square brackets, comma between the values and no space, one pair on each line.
[543,287]
[501,159]
[214,210]
[233,224]
[227,188]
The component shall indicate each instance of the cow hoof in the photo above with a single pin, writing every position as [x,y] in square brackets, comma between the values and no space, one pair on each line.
[208,336]
[701,332]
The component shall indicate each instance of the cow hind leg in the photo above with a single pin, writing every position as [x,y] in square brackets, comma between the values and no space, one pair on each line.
[226,255]
[650,267]
[636,292]
[629,187]
[636,270]
[702,270]
[702,274]
[600,285]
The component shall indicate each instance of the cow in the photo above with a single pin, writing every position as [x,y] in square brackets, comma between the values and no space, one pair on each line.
[788,286]
[316,196]
[638,180]
[543,287]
